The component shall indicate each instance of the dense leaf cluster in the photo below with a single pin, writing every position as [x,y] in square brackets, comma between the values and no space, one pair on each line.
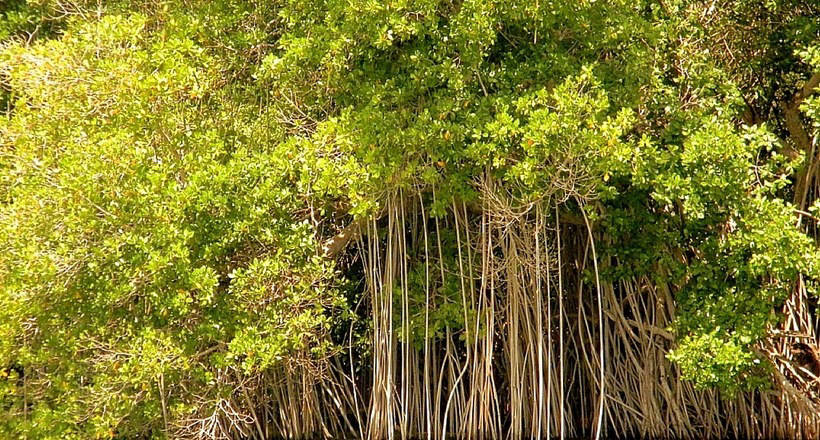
[171,171]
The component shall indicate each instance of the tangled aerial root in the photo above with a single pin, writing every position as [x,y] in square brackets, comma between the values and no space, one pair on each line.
[547,350]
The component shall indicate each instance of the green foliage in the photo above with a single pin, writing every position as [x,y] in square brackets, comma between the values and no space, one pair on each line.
[170,171]
[618,103]
[20,18]
[152,227]
[435,305]
[810,107]
[710,360]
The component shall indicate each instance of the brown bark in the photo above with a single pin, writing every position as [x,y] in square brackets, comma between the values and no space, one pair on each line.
[339,242]
[800,138]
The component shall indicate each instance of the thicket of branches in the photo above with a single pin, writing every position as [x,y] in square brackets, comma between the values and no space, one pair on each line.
[414,218]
